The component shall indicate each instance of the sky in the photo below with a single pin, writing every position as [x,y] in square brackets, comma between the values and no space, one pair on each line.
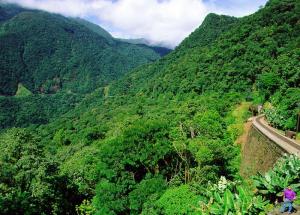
[164,22]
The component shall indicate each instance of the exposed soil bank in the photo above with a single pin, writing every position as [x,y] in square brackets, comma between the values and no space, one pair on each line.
[259,153]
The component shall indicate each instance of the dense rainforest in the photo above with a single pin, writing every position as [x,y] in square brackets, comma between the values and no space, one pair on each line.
[161,138]
[46,53]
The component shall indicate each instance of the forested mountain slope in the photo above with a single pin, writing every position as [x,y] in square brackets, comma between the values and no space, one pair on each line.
[95,28]
[158,140]
[255,47]
[160,49]
[48,52]
[9,10]
[258,57]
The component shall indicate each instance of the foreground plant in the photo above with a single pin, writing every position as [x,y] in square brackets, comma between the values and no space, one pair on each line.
[230,198]
[284,173]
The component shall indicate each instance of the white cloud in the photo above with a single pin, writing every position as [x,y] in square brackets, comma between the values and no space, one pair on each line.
[65,7]
[167,21]
[236,8]
[160,21]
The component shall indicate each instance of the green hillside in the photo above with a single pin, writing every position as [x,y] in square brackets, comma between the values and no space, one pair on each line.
[136,41]
[9,10]
[162,51]
[161,140]
[95,28]
[143,42]
[48,52]
[210,29]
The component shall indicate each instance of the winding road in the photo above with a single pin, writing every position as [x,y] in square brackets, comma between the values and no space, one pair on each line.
[287,144]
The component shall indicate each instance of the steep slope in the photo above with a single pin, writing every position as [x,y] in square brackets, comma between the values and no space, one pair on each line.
[136,41]
[48,52]
[9,10]
[162,51]
[155,141]
[138,139]
[177,111]
[210,29]
[235,61]
[95,28]
[143,42]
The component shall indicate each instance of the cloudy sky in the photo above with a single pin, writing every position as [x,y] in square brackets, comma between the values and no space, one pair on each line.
[166,22]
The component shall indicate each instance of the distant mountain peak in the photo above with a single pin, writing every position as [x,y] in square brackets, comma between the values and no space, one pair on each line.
[95,28]
[212,26]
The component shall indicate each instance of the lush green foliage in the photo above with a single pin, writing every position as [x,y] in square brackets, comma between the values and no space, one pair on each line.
[47,52]
[232,198]
[22,91]
[179,200]
[228,197]
[30,182]
[23,111]
[285,109]
[285,173]
[153,141]
[210,29]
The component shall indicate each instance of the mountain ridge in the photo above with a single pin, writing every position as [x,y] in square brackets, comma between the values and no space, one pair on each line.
[59,39]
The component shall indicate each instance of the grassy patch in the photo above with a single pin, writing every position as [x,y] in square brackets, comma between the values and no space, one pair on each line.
[22,91]
[239,115]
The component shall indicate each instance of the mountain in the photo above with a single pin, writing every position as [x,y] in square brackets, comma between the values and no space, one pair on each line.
[204,36]
[143,42]
[56,60]
[162,51]
[136,41]
[161,139]
[211,28]
[47,52]
[96,28]
[9,10]
[234,57]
